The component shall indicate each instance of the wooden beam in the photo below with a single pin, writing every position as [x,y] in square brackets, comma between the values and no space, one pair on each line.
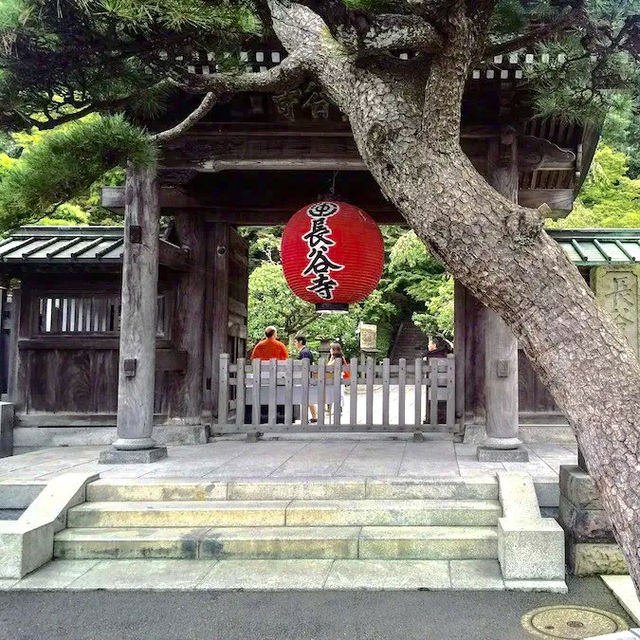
[175,258]
[220,150]
[267,217]
[170,198]
[558,200]
[73,419]
[72,342]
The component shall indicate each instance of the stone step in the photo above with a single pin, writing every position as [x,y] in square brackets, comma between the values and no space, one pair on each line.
[393,513]
[428,543]
[222,513]
[424,543]
[230,513]
[162,489]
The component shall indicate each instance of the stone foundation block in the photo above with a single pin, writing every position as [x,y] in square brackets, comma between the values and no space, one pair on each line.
[589,559]
[7,419]
[578,487]
[24,548]
[135,456]
[585,525]
[531,549]
[502,455]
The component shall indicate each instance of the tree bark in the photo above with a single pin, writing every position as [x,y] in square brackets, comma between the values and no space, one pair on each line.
[408,135]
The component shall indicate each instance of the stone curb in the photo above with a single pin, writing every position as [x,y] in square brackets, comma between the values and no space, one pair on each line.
[530,547]
[27,543]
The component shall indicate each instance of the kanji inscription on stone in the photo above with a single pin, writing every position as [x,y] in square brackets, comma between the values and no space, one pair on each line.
[617,289]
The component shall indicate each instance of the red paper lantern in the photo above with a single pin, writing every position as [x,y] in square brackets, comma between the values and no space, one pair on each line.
[332,254]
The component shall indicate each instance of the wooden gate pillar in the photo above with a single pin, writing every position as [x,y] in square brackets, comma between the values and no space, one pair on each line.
[501,346]
[136,372]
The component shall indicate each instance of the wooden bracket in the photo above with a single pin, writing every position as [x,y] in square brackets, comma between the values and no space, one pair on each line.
[135,234]
[129,366]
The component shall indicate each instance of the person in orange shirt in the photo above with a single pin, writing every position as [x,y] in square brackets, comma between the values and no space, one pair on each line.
[270,347]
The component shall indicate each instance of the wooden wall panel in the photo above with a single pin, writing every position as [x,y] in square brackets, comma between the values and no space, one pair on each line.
[533,395]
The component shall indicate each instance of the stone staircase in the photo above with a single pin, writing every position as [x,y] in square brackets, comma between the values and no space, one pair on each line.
[410,343]
[426,519]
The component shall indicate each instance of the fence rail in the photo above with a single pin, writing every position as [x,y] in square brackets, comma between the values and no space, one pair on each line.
[360,396]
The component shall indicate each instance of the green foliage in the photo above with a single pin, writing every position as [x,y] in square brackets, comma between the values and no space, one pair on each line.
[272,302]
[264,244]
[64,56]
[412,284]
[609,198]
[621,130]
[412,276]
[586,67]
[437,320]
[69,160]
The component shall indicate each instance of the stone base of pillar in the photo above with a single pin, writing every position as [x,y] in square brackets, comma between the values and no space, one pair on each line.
[132,456]
[489,454]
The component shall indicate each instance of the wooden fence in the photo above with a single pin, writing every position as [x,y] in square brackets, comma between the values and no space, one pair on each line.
[361,396]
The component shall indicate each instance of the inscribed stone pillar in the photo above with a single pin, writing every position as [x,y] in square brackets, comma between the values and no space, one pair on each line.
[501,346]
[617,289]
[136,372]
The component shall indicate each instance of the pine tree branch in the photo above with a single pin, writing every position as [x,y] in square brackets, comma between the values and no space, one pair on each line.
[289,73]
[395,31]
[572,19]
[208,102]
[363,31]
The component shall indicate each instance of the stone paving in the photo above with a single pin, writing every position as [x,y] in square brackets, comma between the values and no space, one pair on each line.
[271,575]
[295,458]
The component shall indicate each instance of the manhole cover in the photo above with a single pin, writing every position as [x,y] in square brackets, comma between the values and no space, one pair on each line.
[571,622]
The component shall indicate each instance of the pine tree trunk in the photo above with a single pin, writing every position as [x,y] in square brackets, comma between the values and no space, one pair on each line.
[406,125]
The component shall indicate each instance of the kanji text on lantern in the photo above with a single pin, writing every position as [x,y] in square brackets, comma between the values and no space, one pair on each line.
[319,241]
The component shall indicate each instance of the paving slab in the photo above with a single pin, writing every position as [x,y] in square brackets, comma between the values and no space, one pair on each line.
[295,458]
[7,583]
[58,574]
[382,575]
[373,458]
[476,575]
[316,459]
[624,591]
[153,575]
[258,460]
[271,575]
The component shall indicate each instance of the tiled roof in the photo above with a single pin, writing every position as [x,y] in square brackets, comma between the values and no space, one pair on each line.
[56,245]
[64,245]
[593,247]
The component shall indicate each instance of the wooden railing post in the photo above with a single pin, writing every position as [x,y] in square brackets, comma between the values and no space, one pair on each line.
[136,372]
